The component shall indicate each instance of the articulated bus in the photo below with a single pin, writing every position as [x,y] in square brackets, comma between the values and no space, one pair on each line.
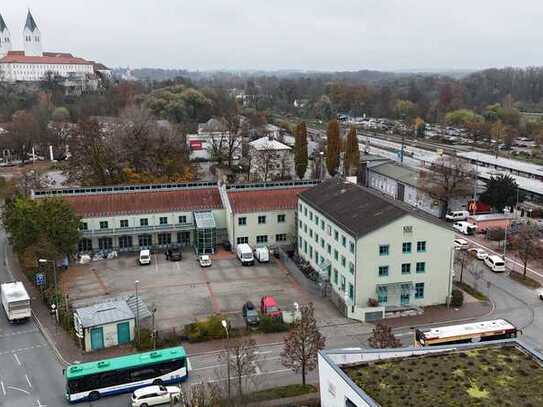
[465,333]
[92,380]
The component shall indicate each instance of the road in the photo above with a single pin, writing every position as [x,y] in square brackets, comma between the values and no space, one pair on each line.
[30,374]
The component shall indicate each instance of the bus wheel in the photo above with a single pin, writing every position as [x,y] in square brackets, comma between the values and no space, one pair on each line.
[157,382]
[94,396]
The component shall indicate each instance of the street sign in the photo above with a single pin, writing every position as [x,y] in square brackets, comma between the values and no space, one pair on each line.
[40,279]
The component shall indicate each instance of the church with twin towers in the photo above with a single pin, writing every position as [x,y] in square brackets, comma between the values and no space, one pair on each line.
[32,63]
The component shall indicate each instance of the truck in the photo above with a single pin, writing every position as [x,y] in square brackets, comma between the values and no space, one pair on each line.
[245,254]
[16,301]
[262,254]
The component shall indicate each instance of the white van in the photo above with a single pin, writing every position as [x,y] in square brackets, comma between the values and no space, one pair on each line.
[245,254]
[495,263]
[262,254]
[454,216]
[460,244]
[145,257]
[465,228]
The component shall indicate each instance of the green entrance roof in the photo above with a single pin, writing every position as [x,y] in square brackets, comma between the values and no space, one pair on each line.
[123,362]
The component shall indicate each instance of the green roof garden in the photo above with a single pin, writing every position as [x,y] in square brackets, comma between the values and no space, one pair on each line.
[483,376]
[124,362]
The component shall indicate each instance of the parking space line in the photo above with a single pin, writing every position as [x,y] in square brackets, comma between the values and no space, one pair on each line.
[18,389]
[213,297]
[28,381]
[17,359]
[3,388]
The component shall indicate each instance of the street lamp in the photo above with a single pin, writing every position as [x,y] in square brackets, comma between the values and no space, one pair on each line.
[225,325]
[137,313]
[451,266]
[505,211]
[321,165]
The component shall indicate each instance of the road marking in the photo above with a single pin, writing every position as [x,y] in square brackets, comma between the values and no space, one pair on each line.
[22,349]
[28,381]
[18,389]
[193,355]
[19,333]
[3,388]
[40,404]
[257,368]
[263,353]
[256,374]
[17,359]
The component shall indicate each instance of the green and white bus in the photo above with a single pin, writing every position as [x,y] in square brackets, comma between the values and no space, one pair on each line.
[92,380]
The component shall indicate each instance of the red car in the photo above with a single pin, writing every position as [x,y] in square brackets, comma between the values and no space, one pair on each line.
[269,307]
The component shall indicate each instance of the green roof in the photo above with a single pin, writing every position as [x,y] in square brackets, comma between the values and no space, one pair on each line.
[123,362]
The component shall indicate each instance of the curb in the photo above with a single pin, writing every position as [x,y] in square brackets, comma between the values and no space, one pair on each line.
[49,340]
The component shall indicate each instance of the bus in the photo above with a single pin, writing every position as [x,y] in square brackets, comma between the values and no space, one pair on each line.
[92,380]
[466,333]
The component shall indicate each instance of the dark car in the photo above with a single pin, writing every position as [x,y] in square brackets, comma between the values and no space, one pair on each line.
[250,314]
[174,254]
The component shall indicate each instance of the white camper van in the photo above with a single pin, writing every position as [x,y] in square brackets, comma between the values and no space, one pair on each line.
[245,254]
[16,301]
[455,216]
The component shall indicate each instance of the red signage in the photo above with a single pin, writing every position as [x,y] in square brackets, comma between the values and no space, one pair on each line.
[196,145]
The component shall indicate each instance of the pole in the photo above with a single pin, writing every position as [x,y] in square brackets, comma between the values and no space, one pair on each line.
[55,278]
[137,314]
[228,362]
[154,331]
[505,244]
[451,257]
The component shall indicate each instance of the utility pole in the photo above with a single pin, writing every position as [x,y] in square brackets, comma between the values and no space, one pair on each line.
[137,313]
[225,325]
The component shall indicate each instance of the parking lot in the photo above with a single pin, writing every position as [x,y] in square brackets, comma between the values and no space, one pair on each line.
[182,292]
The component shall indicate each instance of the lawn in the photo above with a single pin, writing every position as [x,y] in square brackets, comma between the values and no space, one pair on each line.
[281,392]
[489,376]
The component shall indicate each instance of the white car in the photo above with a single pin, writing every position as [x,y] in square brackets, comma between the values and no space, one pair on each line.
[204,260]
[460,244]
[479,253]
[155,395]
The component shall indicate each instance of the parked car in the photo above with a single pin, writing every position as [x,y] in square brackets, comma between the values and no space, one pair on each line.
[455,216]
[460,244]
[495,263]
[477,252]
[250,314]
[269,307]
[174,254]
[465,228]
[204,260]
[155,395]
[145,257]
[245,254]
[262,254]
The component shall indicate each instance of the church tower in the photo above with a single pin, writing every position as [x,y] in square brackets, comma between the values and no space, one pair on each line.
[32,37]
[5,38]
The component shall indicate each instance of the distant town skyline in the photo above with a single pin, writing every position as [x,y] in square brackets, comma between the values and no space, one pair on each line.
[391,35]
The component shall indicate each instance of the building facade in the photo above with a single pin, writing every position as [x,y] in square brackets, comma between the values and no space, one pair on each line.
[377,255]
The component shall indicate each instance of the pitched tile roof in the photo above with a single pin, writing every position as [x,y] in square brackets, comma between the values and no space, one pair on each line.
[95,205]
[356,209]
[47,58]
[264,199]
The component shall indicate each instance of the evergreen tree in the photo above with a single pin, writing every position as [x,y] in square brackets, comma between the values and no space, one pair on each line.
[501,191]
[332,147]
[351,160]
[300,150]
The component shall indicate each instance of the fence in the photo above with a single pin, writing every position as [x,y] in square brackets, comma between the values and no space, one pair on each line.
[312,286]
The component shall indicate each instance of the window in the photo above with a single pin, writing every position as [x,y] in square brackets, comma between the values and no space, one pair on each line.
[329,248]
[343,283]
[299,241]
[164,238]
[383,271]
[335,276]
[163,220]
[105,243]
[316,220]
[336,254]
[336,235]
[406,247]
[281,218]
[183,219]
[83,226]
[242,239]
[305,247]
[322,242]
[305,228]
[406,268]
[310,251]
[261,219]
[421,267]
[282,237]
[343,241]
[305,211]
[310,232]
[421,247]
[300,224]
[419,290]
[262,239]
[351,267]
[351,247]
[384,249]
[300,207]
[351,291]
[124,223]
[322,224]
[382,295]
[125,242]
[310,216]
[85,245]
[349,403]
[103,224]
[144,222]
[316,238]
[242,221]
[343,262]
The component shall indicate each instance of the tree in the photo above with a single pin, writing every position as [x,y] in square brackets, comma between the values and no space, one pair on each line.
[501,191]
[448,178]
[333,147]
[264,160]
[242,360]
[351,161]
[302,344]
[464,260]
[527,244]
[300,150]
[382,337]
[461,117]
[24,132]
[420,127]
[406,110]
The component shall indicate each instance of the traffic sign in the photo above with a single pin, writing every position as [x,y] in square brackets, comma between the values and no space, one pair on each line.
[40,279]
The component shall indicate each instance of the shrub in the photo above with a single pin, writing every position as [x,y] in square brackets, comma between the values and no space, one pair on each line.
[457,298]
[210,328]
[270,325]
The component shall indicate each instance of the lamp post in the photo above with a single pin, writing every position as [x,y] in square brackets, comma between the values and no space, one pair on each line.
[321,165]
[451,266]
[226,326]
[137,313]
[505,211]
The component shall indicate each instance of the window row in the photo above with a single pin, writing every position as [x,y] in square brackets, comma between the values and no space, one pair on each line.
[340,282]
[127,241]
[242,220]
[260,239]
[123,223]
[325,227]
[384,249]
[302,244]
[420,268]
[405,293]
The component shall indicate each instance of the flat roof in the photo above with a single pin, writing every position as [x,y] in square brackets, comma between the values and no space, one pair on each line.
[104,313]
[460,375]
[503,162]
[247,201]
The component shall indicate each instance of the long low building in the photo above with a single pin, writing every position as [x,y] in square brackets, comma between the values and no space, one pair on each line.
[199,215]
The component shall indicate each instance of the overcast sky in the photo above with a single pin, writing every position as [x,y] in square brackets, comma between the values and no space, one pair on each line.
[293,34]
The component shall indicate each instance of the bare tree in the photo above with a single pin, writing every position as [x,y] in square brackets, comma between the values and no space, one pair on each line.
[527,244]
[242,360]
[463,260]
[264,161]
[449,177]
[200,395]
[382,337]
[302,344]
